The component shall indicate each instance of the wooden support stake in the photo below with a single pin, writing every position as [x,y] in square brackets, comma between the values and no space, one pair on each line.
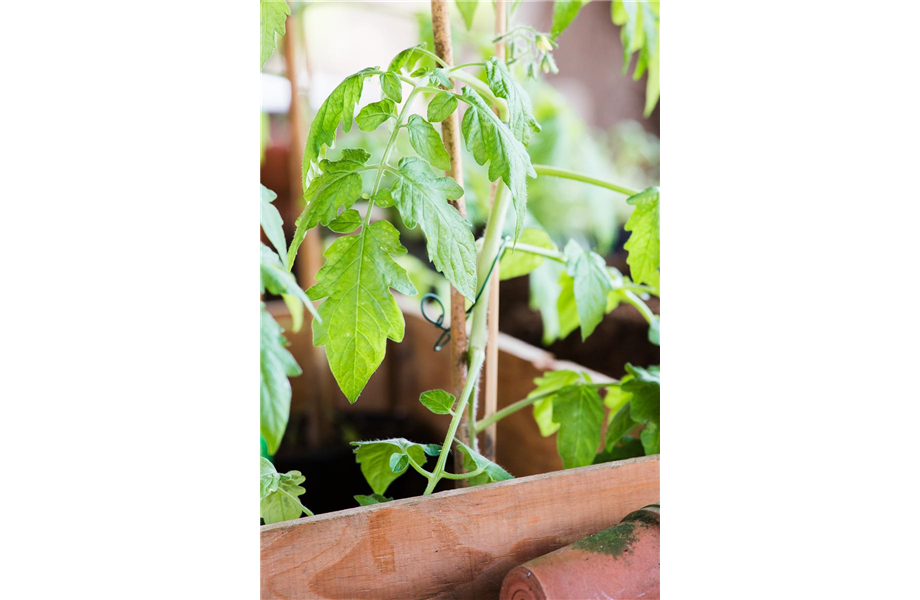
[490,405]
[450,131]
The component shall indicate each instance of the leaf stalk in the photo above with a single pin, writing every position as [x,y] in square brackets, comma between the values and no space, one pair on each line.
[575,176]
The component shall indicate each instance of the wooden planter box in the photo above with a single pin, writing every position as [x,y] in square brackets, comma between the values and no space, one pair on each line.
[454,544]
[457,544]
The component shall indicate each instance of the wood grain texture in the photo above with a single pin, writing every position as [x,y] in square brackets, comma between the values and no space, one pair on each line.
[457,544]
[450,132]
[774,478]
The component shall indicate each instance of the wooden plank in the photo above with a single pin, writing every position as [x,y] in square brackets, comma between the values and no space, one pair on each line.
[880,478]
[457,544]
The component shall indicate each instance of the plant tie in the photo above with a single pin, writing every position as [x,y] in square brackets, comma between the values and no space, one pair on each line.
[444,338]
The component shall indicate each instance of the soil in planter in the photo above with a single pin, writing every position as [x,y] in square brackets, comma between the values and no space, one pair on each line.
[622,337]
[333,476]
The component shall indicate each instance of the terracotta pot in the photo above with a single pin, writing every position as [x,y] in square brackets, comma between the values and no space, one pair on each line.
[614,564]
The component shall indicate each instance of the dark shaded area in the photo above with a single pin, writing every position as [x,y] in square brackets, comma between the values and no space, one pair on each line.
[335,465]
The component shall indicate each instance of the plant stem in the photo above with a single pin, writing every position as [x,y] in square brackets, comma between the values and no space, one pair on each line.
[477,358]
[545,252]
[450,132]
[424,473]
[469,475]
[637,302]
[524,403]
[465,65]
[383,166]
[433,55]
[566,174]
[490,396]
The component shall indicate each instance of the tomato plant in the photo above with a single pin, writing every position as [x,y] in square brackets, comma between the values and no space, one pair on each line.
[357,312]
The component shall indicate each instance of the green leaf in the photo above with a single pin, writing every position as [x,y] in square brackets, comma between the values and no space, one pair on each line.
[406,59]
[467,11]
[273,14]
[640,21]
[629,447]
[346,222]
[543,409]
[360,313]
[339,185]
[651,438]
[564,12]
[383,199]
[271,222]
[373,115]
[579,411]
[654,331]
[399,463]
[438,401]
[591,286]
[442,106]
[275,364]
[268,479]
[426,141]
[295,307]
[421,196]
[545,290]
[520,110]
[618,427]
[392,87]
[281,493]
[441,78]
[644,243]
[473,461]
[490,140]
[566,306]
[433,449]
[515,262]
[372,499]
[278,280]
[645,387]
[374,458]
[339,107]
[617,397]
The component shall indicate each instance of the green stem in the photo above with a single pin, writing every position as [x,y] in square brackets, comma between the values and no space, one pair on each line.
[477,358]
[566,174]
[491,242]
[643,309]
[466,65]
[545,252]
[434,56]
[513,408]
[383,166]
[478,471]
[419,468]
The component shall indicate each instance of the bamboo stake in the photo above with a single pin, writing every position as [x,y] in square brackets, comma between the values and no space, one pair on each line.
[450,131]
[320,412]
[490,405]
